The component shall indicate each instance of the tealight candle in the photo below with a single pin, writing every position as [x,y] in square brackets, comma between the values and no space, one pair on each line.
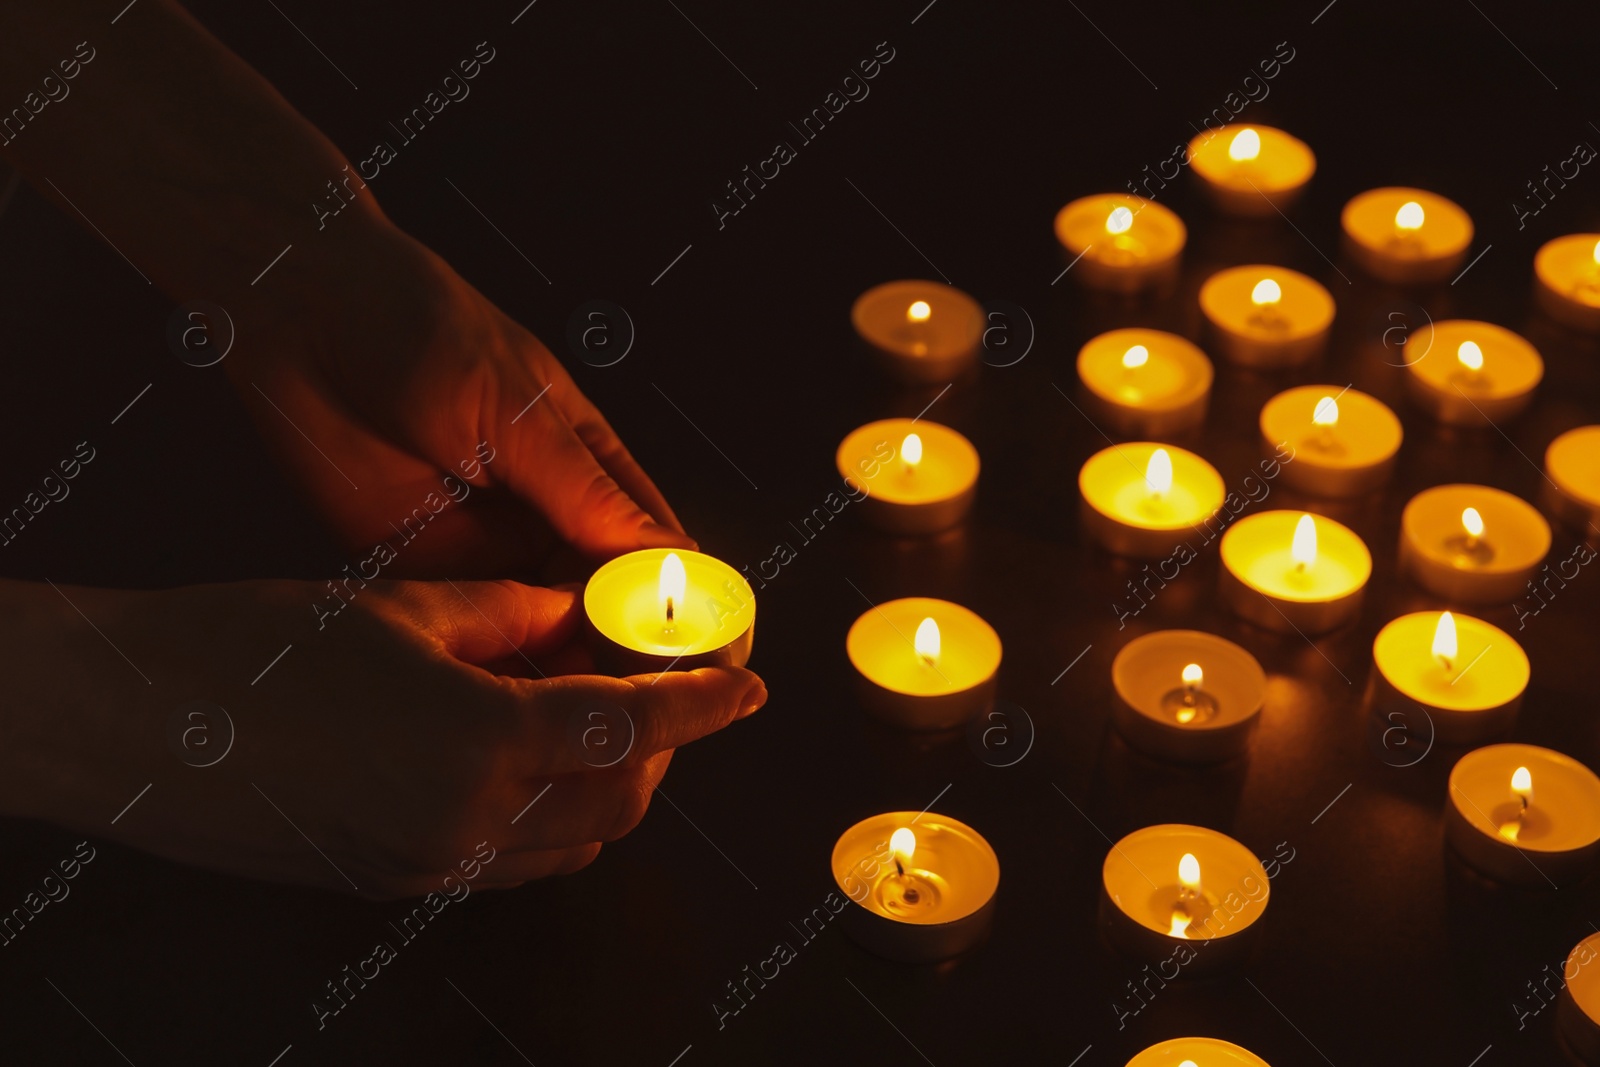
[1567,273]
[926,484]
[1187,696]
[1464,675]
[1471,373]
[1143,500]
[1120,243]
[924,664]
[1524,815]
[921,885]
[1146,382]
[1251,170]
[1197,1052]
[1344,440]
[923,332]
[1472,544]
[657,609]
[1578,1009]
[1265,316]
[1293,572]
[1406,235]
[1182,893]
[1572,467]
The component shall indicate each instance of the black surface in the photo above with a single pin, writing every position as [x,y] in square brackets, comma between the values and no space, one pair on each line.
[596,142]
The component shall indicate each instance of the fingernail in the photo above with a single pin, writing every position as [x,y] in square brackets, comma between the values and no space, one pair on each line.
[655,535]
[752,700]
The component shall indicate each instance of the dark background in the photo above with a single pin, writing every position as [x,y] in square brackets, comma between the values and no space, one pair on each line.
[596,141]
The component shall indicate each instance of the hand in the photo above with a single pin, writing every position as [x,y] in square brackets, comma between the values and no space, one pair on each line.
[402,374]
[374,757]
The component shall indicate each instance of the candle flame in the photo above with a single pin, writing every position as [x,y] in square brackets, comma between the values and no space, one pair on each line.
[1267,293]
[927,641]
[1245,147]
[1193,676]
[1326,413]
[1444,640]
[1409,217]
[918,311]
[1303,549]
[674,581]
[1522,783]
[1597,253]
[1470,355]
[1137,356]
[1188,1063]
[1119,220]
[903,844]
[1189,872]
[911,450]
[1158,472]
[1472,522]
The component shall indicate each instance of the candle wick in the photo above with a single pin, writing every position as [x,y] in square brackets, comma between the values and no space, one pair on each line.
[898,869]
[669,609]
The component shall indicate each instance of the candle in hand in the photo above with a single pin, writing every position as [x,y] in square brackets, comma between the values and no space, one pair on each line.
[658,608]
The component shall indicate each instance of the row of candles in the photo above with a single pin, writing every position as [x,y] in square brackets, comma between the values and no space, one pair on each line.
[923,884]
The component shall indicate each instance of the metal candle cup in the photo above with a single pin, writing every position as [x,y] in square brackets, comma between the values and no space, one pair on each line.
[1160,713]
[711,623]
[1492,566]
[903,684]
[1264,583]
[1120,243]
[922,332]
[1146,382]
[1470,690]
[1470,373]
[1406,235]
[1546,835]
[1266,316]
[1251,171]
[910,495]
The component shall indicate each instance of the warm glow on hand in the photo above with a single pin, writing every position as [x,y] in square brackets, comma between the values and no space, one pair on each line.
[1189,872]
[1522,784]
[927,642]
[1472,522]
[903,844]
[1409,217]
[1444,640]
[918,311]
[1137,356]
[1119,221]
[674,582]
[1193,676]
[1267,293]
[911,451]
[1326,413]
[1303,549]
[1158,472]
[1246,146]
[1470,355]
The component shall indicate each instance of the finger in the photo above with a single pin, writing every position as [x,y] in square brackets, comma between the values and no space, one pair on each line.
[480,622]
[574,809]
[511,869]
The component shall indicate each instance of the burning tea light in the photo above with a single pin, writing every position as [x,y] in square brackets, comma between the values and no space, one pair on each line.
[1143,500]
[1120,243]
[922,331]
[1462,674]
[1251,170]
[1344,440]
[924,664]
[1567,273]
[1472,544]
[1186,696]
[921,885]
[1197,1052]
[1524,815]
[1146,381]
[1572,469]
[1293,572]
[659,609]
[1182,893]
[1578,1010]
[1471,373]
[1265,316]
[1406,235]
[927,482]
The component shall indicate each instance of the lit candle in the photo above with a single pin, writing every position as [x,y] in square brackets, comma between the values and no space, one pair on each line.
[1182,893]
[1143,500]
[1571,492]
[1406,235]
[1145,382]
[924,664]
[657,609]
[1187,697]
[1266,316]
[1567,273]
[1344,440]
[1120,243]
[1464,675]
[919,477]
[1251,170]
[922,332]
[1472,544]
[1293,572]
[1197,1052]
[920,885]
[1524,815]
[1471,373]
[1578,1010]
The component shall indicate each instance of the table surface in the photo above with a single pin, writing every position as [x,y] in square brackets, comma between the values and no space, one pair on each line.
[596,142]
